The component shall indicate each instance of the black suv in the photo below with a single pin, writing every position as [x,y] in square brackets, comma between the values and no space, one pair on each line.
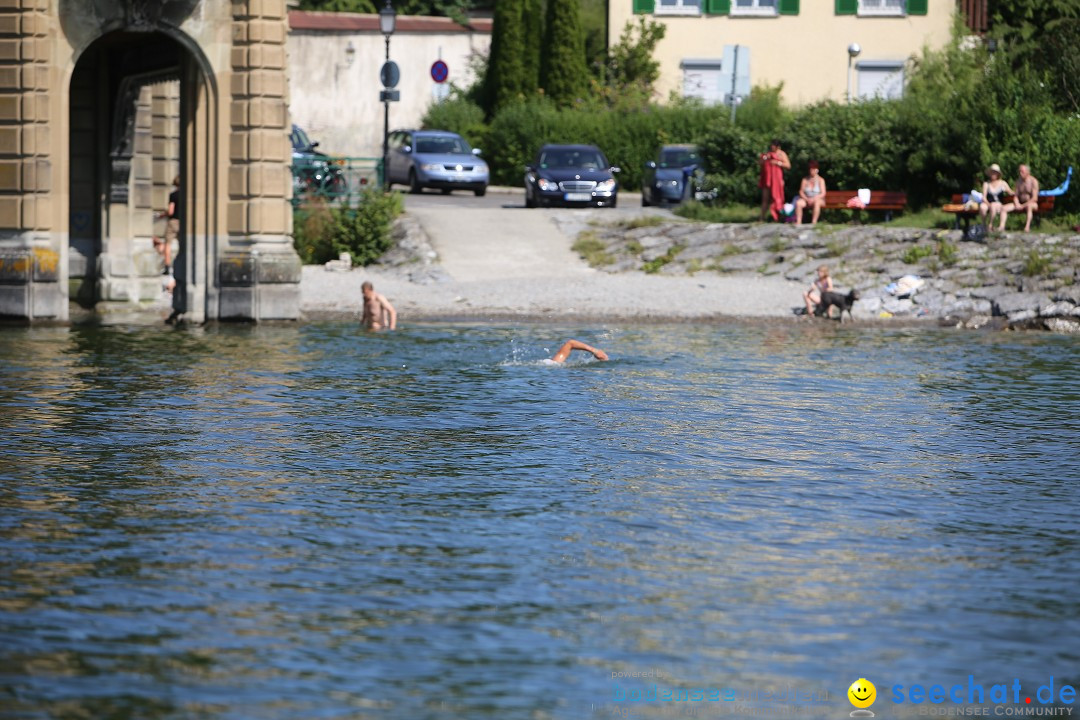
[314,173]
[570,175]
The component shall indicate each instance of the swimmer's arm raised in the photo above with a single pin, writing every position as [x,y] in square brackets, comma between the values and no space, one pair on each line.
[571,345]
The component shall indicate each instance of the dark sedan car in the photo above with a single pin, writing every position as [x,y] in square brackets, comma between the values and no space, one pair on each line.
[676,175]
[570,175]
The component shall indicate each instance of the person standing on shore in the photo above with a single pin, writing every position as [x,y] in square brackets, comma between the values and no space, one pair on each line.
[571,345]
[771,182]
[378,312]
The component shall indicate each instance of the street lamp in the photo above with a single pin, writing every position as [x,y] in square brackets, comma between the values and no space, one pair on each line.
[387,20]
[853,51]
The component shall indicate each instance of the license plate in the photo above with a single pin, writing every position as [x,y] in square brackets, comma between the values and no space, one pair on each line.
[577,197]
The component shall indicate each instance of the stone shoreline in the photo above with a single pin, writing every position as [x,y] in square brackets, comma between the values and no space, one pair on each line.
[1013,280]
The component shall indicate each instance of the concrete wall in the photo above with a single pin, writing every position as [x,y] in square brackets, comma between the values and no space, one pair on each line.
[337,103]
[806,52]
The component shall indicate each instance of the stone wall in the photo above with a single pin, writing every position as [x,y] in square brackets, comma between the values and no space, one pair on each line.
[33,255]
[1014,279]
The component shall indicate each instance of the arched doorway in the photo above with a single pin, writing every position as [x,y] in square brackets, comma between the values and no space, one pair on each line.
[140,112]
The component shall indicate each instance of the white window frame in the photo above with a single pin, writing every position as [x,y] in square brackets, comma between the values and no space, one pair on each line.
[887,66]
[678,9]
[757,10]
[883,10]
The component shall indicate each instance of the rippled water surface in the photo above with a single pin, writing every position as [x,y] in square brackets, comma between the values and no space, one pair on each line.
[313,522]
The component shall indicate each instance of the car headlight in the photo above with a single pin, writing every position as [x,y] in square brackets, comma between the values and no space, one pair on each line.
[606,185]
[431,167]
[547,185]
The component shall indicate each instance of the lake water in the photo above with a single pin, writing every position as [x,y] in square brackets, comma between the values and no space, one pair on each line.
[313,522]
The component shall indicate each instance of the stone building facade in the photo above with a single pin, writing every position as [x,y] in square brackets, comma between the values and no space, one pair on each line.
[102,104]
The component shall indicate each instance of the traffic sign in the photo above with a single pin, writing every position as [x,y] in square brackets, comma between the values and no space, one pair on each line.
[389,74]
[439,71]
[389,95]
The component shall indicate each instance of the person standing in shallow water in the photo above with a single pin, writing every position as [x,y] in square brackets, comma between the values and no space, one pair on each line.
[379,314]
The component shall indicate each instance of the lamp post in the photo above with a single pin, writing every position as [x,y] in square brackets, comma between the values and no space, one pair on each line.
[387,20]
[853,51]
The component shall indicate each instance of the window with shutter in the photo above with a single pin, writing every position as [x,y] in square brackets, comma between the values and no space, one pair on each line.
[678,7]
[847,7]
[644,7]
[789,7]
[753,7]
[882,7]
[718,7]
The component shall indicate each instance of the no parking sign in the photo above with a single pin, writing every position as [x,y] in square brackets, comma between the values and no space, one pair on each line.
[439,71]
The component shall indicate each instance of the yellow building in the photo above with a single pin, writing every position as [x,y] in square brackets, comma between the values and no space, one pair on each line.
[809,46]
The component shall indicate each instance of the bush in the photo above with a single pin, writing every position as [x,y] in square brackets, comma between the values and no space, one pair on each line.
[322,232]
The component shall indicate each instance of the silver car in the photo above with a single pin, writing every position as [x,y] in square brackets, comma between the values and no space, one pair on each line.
[435,159]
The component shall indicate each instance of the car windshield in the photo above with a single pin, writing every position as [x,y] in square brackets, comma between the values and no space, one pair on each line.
[562,158]
[300,140]
[678,157]
[442,146]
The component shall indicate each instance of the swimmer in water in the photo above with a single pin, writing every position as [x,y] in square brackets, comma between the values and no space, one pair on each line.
[571,345]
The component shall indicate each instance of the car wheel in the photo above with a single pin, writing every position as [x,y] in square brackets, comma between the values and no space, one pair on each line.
[445,191]
[530,202]
[614,201]
[481,192]
[414,184]
[645,199]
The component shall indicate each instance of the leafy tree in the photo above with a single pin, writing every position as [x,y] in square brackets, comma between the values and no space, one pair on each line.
[594,26]
[631,66]
[563,72]
[505,81]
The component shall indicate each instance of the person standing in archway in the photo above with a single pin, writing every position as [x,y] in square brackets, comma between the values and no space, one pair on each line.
[172,226]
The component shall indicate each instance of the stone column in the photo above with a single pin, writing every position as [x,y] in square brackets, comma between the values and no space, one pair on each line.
[33,256]
[259,271]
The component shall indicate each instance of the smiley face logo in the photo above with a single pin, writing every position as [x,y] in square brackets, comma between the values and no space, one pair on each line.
[862,693]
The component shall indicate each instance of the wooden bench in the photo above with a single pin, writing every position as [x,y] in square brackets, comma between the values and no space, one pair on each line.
[885,200]
[977,231]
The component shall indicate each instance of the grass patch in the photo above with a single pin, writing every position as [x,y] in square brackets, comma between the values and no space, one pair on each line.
[642,221]
[926,219]
[634,247]
[592,249]
[946,252]
[1037,264]
[653,266]
[915,253]
[777,244]
[693,266]
[700,212]
[837,247]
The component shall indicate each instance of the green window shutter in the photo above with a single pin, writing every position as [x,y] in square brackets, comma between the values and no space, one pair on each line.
[916,7]
[718,7]
[644,6]
[847,7]
[789,7]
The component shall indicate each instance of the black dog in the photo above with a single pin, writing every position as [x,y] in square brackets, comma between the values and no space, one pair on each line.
[830,299]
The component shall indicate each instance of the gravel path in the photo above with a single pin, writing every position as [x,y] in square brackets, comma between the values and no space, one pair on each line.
[516,262]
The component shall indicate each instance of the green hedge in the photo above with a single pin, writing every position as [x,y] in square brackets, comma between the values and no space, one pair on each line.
[628,139]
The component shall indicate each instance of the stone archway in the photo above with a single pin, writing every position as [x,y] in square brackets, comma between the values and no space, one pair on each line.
[87,144]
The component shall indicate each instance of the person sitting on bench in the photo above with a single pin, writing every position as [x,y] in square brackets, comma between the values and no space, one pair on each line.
[811,194]
[1027,198]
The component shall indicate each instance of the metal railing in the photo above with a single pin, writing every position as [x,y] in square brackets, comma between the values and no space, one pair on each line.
[334,180]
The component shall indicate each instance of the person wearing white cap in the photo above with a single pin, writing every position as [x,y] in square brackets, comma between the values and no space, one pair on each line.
[994,192]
